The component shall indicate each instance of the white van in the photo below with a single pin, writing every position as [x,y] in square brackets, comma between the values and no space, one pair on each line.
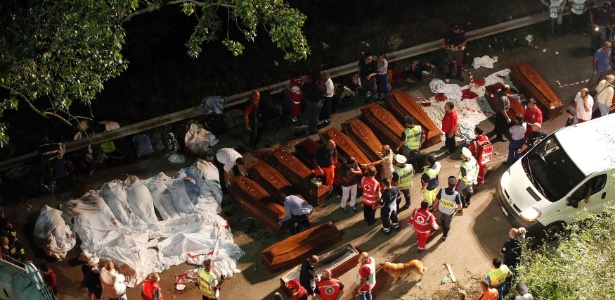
[570,172]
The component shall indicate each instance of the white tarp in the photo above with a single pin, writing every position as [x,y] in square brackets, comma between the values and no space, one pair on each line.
[484,61]
[470,111]
[189,232]
[52,234]
[198,140]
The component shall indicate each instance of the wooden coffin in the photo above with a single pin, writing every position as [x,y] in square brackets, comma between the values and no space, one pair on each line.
[363,137]
[305,151]
[345,146]
[271,180]
[401,105]
[383,124]
[339,260]
[299,176]
[293,250]
[532,84]
[252,198]
[515,106]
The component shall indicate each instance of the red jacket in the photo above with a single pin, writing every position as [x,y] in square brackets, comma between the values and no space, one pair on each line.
[370,191]
[150,290]
[422,220]
[450,122]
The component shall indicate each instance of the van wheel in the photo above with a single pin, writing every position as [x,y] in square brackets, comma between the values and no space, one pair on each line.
[551,234]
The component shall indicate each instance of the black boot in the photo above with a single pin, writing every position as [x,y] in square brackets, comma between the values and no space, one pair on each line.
[451,67]
[445,232]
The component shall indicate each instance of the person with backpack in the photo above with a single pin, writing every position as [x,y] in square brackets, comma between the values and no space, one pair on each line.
[481,150]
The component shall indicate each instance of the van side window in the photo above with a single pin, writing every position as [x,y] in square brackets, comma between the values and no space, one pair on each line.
[597,183]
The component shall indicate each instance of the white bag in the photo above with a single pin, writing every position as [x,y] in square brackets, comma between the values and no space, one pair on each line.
[198,140]
[52,234]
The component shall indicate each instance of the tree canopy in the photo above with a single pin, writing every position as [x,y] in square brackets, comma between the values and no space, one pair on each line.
[56,53]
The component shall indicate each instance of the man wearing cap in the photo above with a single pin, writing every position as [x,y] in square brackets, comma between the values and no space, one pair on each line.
[422,220]
[412,138]
[371,195]
[403,176]
[532,115]
[455,42]
[534,139]
[467,175]
[297,212]
[604,95]
[429,179]
[450,125]
[571,116]
[448,201]
[522,292]
[296,290]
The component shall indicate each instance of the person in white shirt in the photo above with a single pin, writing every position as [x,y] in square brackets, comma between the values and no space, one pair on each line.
[604,95]
[230,158]
[584,104]
[328,105]
[517,133]
[112,282]
[578,9]
[522,292]
[556,8]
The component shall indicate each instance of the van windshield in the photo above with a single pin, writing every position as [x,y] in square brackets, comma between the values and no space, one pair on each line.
[551,170]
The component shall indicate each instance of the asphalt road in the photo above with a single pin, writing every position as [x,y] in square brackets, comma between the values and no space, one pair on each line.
[476,236]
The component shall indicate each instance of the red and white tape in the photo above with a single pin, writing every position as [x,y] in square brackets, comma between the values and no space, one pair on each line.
[569,84]
[470,73]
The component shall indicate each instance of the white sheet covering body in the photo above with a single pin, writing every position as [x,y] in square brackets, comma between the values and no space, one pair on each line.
[189,232]
[52,234]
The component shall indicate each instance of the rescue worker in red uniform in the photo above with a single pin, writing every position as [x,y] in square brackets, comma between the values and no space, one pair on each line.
[474,148]
[150,289]
[532,115]
[371,195]
[422,220]
[366,278]
[329,288]
[296,97]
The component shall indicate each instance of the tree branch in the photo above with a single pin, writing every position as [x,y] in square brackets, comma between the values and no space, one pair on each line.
[153,8]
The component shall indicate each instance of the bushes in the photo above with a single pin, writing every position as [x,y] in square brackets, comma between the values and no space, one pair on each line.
[580,267]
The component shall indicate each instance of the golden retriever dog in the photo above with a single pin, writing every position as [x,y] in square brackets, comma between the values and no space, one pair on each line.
[397,270]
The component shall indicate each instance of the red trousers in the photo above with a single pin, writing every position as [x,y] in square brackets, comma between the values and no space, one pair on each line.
[422,239]
[329,173]
[296,110]
[482,168]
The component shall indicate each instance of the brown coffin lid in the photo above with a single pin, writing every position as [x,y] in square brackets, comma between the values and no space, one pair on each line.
[293,250]
[401,105]
[364,137]
[271,180]
[515,105]
[383,124]
[532,84]
[345,146]
[255,200]
[299,176]
[305,151]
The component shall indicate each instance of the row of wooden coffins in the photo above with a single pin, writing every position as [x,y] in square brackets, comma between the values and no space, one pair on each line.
[282,173]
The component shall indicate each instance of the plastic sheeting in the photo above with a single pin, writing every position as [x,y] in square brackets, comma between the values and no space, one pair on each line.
[52,234]
[484,61]
[190,228]
[470,111]
[198,140]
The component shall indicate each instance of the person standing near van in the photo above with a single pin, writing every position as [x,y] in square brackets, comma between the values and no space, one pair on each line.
[517,135]
[532,115]
[584,104]
[501,113]
[534,139]
[467,175]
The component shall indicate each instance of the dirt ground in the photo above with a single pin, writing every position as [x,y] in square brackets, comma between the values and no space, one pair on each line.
[475,238]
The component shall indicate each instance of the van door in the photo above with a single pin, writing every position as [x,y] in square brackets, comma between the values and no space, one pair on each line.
[592,195]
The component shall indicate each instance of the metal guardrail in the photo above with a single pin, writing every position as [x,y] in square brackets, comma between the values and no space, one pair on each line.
[240,98]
